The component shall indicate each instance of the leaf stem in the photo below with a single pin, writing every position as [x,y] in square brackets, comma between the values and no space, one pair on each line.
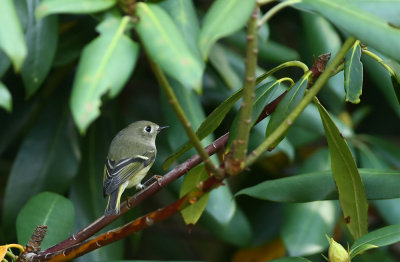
[173,100]
[284,126]
[378,59]
[239,144]
[275,10]
[296,63]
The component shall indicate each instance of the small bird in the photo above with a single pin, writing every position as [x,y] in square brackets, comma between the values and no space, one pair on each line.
[132,152]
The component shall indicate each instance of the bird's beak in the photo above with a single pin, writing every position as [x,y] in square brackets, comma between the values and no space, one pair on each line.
[161,128]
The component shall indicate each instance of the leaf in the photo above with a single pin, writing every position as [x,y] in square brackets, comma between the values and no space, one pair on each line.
[41,39]
[5,98]
[321,186]
[291,259]
[167,47]
[105,66]
[351,190]
[192,213]
[305,225]
[395,77]
[12,40]
[222,19]
[4,63]
[286,106]
[50,209]
[387,10]
[367,27]
[48,7]
[382,237]
[353,74]
[47,159]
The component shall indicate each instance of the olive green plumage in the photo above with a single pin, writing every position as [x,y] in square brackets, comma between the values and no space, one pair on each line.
[132,152]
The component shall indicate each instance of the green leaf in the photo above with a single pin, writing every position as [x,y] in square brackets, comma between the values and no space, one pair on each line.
[47,159]
[351,190]
[41,39]
[367,27]
[291,259]
[321,186]
[353,74]
[388,10]
[305,225]
[222,19]
[286,106]
[382,237]
[192,213]
[105,66]
[395,77]
[4,63]
[48,7]
[389,210]
[167,47]
[12,40]
[5,98]
[50,209]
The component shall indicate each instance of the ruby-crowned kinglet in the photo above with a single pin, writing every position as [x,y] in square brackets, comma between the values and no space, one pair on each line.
[132,152]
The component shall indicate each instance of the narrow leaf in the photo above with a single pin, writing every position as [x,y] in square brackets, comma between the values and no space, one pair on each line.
[167,47]
[286,106]
[353,74]
[395,77]
[321,186]
[382,237]
[12,40]
[351,190]
[192,213]
[5,98]
[50,209]
[41,38]
[363,25]
[222,19]
[105,66]
[48,7]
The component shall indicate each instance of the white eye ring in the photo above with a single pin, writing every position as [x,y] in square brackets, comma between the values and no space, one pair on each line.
[147,129]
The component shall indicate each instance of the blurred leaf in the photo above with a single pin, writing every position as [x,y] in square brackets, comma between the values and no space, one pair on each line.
[47,159]
[192,213]
[12,40]
[321,186]
[320,160]
[5,98]
[382,237]
[389,210]
[395,78]
[305,226]
[221,64]
[167,47]
[286,106]
[222,19]
[48,7]
[351,190]
[86,192]
[184,15]
[291,259]
[4,63]
[263,31]
[387,149]
[353,74]
[105,66]
[41,39]
[368,28]
[265,252]
[221,206]
[387,10]
[50,209]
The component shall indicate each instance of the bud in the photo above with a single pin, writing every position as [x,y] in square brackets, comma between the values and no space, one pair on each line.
[337,253]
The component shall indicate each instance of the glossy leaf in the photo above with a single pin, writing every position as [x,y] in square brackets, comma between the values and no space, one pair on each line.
[351,190]
[222,19]
[388,10]
[48,7]
[12,40]
[50,209]
[41,39]
[291,259]
[395,77]
[105,66]
[365,26]
[321,186]
[286,106]
[305,225]
[5,98]
[192,213]
[353,74]
[381,237]
[389,210]
[49,154]
[167,47]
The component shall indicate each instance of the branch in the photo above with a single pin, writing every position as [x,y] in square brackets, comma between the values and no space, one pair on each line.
[239,144]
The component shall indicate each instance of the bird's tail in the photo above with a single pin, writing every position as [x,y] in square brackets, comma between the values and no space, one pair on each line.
[113,203]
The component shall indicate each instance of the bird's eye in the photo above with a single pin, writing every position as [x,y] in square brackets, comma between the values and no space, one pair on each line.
[147,129]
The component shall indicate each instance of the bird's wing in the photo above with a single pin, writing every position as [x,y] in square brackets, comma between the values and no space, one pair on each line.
[115,174]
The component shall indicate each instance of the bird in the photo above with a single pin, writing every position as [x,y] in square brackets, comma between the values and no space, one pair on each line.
[131,154]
